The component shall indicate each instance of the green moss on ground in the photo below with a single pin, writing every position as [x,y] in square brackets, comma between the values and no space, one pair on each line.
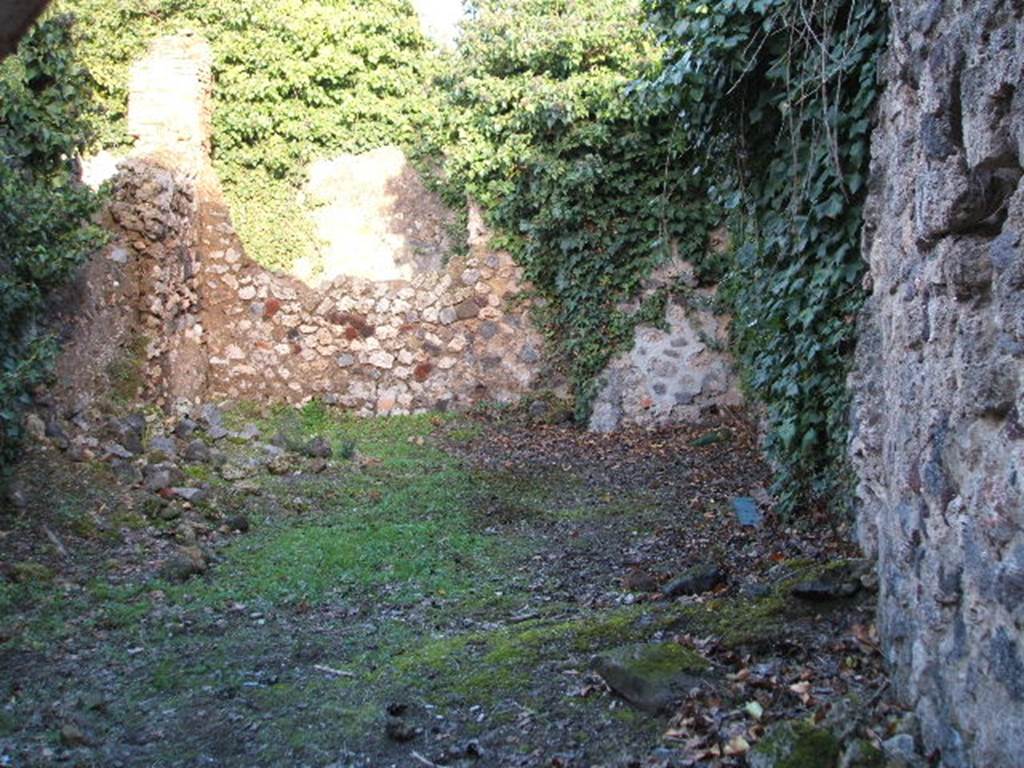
[505,661]
[387,569]
[797,745]
[666,659]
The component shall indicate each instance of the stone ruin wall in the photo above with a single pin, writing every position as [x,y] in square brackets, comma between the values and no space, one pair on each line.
[157,243]
[440,331]
[219,326]
[938,428]
[440,339]
[675,373]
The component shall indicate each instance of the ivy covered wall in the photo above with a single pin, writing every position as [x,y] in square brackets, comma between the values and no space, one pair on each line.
[45,230]
[777,99]
[601,137]
[588,187]
[599,134]
[295,80]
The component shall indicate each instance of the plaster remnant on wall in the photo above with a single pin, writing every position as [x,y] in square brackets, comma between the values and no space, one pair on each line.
[673,374]
[375,219]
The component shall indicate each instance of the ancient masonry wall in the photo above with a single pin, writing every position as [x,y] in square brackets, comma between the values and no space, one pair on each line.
[938,426]
[675,373]
[440,339]
[433,330]
[220,326]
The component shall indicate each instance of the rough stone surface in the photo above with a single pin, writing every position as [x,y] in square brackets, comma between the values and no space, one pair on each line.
[408,335]
[694,581]
[651,677]
[395,322]
[674,375]
[937,427]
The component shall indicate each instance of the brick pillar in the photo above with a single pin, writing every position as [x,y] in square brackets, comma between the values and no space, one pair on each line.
[169,100]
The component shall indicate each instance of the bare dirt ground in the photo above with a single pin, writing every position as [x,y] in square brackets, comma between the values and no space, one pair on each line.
[479,590]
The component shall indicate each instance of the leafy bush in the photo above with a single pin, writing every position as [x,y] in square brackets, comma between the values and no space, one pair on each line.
[44,213]
[296,79]
[596,143]
[583,183]
[777,96]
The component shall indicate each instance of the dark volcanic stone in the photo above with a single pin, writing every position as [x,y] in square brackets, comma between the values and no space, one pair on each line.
[182,566]
[694,581]
[238,523]
[835,583]
[651,677]
[129,431]
[157,477]
[197,452]
[318,448]
[399,730]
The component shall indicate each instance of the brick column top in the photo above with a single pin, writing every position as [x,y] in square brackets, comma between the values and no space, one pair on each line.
[169,100]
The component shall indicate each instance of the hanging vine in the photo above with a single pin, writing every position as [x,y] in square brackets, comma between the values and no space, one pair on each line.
[777,97]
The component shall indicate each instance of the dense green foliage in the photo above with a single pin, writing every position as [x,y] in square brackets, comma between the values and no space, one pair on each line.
[296,79]
[585,184]
[44,214]
[776,96]
[597,143]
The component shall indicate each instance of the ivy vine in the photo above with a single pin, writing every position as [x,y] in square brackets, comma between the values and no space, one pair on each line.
[584,183]
[601,136]
[777,98]
[296,80]
[45,214]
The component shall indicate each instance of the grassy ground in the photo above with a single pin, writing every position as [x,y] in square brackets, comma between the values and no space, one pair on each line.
[405,579]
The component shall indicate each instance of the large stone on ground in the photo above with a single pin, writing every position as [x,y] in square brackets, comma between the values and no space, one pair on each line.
[185,428]
[162,448]
[129,431]
[157,477]
[318,448]
[839,581]
[652,676]
[694,581]
[56,434]
[197,452]
[184,564]
[191,495]
[280,464]
[234,470]
[212,416]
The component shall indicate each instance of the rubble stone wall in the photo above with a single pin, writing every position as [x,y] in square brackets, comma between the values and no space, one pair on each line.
[442,338]
[220,326]
[938,428]
[392,321]
[155,212]
[675,373]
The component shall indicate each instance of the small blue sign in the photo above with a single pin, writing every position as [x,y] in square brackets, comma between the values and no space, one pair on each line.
[747,512]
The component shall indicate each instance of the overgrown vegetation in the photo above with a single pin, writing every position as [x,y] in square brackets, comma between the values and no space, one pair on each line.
[582,180]
[776,97]
[44,213]
[296,80]
[601,137]
[599,146]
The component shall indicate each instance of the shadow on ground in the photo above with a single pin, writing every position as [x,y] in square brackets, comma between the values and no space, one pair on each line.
[434,593]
